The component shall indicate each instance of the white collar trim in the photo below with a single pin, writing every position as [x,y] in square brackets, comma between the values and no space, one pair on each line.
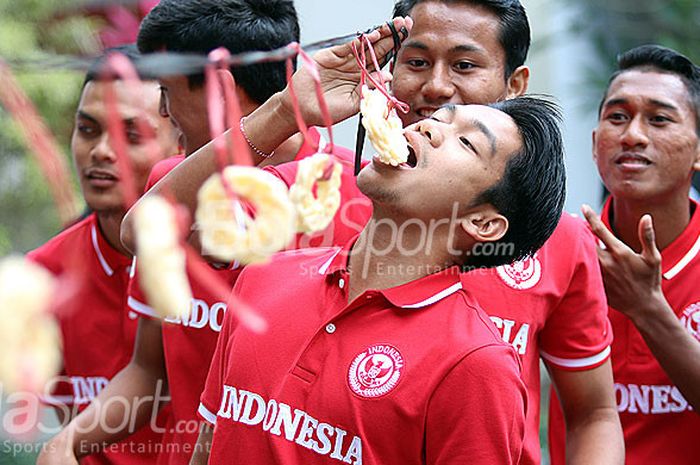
[678,267]
[326,265]
[95,244]
[437,297]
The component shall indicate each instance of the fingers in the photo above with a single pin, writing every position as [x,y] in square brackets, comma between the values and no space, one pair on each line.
[381,38]
[385,43]
[647,237]
[612,243]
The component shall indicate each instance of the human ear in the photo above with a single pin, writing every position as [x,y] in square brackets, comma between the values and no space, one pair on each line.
[696,165]
[485,224]
[518,81]
[593,152]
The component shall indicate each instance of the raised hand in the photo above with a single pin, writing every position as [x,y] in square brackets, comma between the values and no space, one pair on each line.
[340,76]
[632,280]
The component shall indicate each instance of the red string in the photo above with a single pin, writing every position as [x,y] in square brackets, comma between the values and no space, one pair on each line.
[41,144]
[301,124]
[118,64]
[224,109]
[223,105]
[310,63]
[361,60]
[218,287]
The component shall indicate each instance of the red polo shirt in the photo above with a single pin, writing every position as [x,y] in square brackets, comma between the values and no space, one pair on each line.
[189,345]
[659,424]
[414,374]
[551,306]
[98,334]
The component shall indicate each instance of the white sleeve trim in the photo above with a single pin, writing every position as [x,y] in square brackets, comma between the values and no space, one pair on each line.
[140,307]
[576,362]
[206,414]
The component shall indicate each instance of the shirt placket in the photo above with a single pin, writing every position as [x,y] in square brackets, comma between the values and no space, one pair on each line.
[311,361]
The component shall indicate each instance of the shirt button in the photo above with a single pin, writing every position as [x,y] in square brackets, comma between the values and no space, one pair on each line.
[341,283]
[330,328]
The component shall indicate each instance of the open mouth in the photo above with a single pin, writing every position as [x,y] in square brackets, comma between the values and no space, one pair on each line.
[412,160]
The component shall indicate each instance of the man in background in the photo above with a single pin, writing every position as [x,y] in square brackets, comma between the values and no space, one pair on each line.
[647,149]
[98,334]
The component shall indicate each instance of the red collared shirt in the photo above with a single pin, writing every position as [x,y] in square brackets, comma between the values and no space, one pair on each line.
[551,306]
[414,374]
[98,334]
[189,345]
[659,424]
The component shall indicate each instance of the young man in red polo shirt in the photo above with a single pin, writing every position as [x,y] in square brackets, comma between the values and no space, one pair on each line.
[550,306]
[98,334]
[647,148]
[375,352]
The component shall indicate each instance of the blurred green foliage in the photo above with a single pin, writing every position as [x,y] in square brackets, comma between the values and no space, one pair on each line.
[614,26]
[29,30]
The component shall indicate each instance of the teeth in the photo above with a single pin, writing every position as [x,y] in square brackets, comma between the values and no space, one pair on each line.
[634,161]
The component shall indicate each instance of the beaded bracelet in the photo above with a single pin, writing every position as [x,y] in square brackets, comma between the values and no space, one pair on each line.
[251,145]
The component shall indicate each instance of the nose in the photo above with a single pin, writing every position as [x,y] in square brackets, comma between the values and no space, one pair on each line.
[429,129]
[439,87]
[635,134]
[102,150]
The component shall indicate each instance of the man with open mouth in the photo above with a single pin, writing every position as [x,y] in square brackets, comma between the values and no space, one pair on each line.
[364,366]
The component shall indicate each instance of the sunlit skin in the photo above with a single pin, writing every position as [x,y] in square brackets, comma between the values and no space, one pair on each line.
[95,159]
[460,152]
[646,144]
[453,55]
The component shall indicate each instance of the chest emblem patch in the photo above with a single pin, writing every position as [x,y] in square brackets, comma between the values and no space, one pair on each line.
[375,371]
[523,274]
[691,320]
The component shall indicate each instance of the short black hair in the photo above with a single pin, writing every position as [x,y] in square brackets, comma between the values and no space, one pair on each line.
[200,26]
[96,71]
[657,58]
[514,35]
[532,191]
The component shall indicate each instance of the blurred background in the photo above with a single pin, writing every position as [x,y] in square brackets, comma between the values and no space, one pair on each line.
[573,53]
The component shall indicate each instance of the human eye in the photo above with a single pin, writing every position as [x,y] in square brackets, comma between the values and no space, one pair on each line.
[464,65]
[134,137]
[417,62]
[132,133]
[616,117]
[468,144]
[85,129]
[660,120]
